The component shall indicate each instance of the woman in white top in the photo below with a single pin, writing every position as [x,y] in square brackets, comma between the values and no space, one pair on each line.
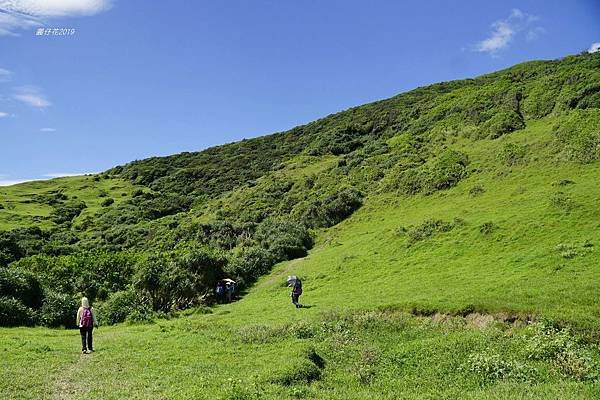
[86,320]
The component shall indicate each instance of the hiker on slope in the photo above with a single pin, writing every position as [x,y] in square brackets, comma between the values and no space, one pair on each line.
[86,320]
[296,285]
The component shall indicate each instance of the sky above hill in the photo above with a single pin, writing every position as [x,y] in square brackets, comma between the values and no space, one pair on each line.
[89,84]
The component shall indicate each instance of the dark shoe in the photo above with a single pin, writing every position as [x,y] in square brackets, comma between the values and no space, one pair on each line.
[83,351]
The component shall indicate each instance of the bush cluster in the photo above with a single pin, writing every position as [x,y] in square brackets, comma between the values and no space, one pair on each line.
[430,227]
[333,209]
[284,239]
[43,289]
[445,171]
[513,154]
[502,123]
[547,341]
[65,212]
[493,367]
[578,135]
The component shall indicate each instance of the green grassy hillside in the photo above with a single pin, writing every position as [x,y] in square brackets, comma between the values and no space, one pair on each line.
[31,203]
[447,239]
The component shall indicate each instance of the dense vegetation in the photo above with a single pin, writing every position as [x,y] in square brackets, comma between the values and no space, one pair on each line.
[160,232]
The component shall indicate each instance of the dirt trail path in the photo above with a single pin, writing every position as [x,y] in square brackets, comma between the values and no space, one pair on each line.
[67,385]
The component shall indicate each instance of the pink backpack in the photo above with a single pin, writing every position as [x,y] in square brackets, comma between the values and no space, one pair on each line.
[86,318]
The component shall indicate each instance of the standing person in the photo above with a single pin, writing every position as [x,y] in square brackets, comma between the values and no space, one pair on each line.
[229,291]
[220,291]
[296,292]
[86,320]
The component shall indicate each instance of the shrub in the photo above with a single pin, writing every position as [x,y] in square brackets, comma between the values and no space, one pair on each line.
[476,190]
[442,172]
[588,97]
[19,243]
[249,263]
[285,240]
[341,205]
[64,213]
[427,229]
[142,314]
[567,251]
[513,154]
[333,209]
[15,313]
[302,329]
[492,367]
[562,201]
[177,280]
[148,278]
[21,285]
[547,340]
[345,139]
[502,123]
[487,227]
[121,305]
[95,274]
[578,135]
[297,371]
[160,205]
[411,181]
[107,202]
[541,98]
[100,273]
[446,170]
[222,234]
[578,364]
[58,309]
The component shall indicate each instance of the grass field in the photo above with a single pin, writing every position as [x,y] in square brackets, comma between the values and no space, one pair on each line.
[486,290]
[23,205]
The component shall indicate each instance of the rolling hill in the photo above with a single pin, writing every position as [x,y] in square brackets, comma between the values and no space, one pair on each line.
[446,237]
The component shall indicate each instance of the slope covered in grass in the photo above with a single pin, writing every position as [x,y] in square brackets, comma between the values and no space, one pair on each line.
[397,307]
[508,246]
[31,203]
[447,239]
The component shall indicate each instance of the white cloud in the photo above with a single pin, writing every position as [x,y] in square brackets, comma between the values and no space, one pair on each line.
[3,114]
[500,38]
[47,130]
[9,22]
[505,30]
[5,75]
[534,33]
[31,96]
[25,14]
[594,47]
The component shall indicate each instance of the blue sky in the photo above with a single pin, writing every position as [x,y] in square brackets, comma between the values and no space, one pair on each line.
[128,79]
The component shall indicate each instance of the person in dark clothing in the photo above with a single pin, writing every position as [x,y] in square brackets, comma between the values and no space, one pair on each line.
[296,292]
[229,291]
[220,291]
